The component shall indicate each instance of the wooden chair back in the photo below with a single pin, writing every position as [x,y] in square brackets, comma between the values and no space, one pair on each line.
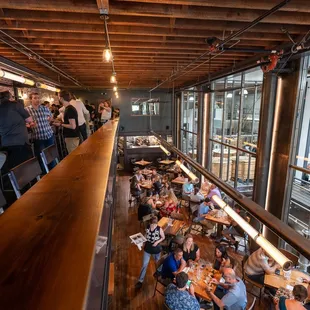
[245,258]
[161,260]
[23,174]
[49,155]
[292,257]
[251,307]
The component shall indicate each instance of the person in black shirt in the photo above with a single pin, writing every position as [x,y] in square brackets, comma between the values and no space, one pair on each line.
[70,125]
[13,131]
[191,252]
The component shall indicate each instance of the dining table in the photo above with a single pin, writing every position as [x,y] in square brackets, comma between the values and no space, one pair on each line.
[171,226]
[201,275]
[143,163]
[146,172]
[220,219]
[179,181]
[277,281]
[166,162]
[147,184]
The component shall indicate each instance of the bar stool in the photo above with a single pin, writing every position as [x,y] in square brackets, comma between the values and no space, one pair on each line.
[23,174]
[49,155]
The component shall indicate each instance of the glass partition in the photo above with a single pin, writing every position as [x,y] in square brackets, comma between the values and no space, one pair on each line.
[234,125]
[189,123]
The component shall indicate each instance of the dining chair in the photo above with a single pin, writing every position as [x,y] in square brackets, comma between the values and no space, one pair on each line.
[292,257]
[245,279]
[24,174]
[158,277]
[251,307]
[48,155]
[166,306]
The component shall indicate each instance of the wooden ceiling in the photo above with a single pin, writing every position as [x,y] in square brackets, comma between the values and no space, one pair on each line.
[149,38]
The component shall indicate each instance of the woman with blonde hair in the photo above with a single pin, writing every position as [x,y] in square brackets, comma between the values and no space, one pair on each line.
[191,252]
[170,204]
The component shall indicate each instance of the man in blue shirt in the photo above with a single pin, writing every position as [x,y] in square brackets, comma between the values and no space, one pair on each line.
[235,297]
[187,188]
[177,297]
[173,264]
[203,209]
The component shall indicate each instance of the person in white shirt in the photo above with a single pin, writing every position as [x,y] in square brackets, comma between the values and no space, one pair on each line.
[82,113]
[105,110]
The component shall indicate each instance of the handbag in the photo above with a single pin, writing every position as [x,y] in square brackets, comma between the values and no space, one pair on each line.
[149,248]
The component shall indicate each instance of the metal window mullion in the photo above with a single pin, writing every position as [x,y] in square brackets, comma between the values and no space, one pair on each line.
[239,130]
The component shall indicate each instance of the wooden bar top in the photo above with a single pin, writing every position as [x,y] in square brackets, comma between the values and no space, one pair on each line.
[48,236]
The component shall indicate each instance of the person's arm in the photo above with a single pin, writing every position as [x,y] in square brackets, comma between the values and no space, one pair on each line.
[218,301]
[162,238]
[153,204]
[191,290]
[71,125]
[24,113]
[84,110]
[197,255]
[268,269]
[182,266]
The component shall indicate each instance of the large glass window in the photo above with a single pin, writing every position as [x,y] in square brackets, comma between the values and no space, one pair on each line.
[189,123]
[234,121]
[144,106]
[299,185]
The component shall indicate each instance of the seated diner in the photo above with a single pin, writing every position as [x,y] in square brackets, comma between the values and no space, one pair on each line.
[191,252]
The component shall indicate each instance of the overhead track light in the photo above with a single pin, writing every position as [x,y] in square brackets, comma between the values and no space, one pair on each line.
[165,150]
[272,251]
[188,172]
[16,78]
[44,86]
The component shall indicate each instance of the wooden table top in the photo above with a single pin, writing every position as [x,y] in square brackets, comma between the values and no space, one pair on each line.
[146,184]
[167,162]
[143,163]
[224,220]
[179,181]
[49,235]
[200,285]
[171,230]
[276,281]
[146,172]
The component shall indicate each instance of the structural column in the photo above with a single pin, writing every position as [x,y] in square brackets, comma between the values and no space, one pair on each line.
[284,115]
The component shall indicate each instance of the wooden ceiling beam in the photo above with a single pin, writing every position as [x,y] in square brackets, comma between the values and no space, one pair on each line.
[155,8]
[86,38]
[130,31]
[294,6]
[143,21]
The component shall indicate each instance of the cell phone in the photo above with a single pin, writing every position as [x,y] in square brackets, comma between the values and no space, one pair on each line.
[188,284]
[277,272]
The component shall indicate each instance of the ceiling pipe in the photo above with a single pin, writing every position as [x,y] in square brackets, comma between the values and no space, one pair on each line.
[300,243]
[36,57]
[228,39]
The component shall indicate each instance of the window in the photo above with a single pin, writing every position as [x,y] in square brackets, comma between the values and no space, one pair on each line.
[144,106]
[189,123]
[298,202]
[234,121]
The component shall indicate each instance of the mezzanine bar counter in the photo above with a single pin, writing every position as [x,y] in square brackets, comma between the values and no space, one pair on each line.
[48,236]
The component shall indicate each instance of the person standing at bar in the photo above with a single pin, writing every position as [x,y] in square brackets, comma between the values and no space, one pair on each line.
[42,132]
[70,125]
[13,131]
[82,113]
[105,111]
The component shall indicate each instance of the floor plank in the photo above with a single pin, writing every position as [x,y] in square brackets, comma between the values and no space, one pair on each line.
[128,259]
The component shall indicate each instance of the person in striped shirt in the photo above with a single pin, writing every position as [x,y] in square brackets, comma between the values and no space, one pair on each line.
[259,264]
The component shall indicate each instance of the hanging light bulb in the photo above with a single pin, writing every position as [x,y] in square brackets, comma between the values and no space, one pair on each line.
[115,88]
[107,55]
[25,96]
[113,78]
[116,94]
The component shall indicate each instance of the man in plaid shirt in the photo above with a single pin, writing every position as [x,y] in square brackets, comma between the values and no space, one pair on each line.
[43,135]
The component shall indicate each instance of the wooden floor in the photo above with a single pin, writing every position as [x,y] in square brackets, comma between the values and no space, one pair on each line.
[128,259]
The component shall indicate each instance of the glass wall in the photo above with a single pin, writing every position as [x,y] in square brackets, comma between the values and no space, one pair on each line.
[189,123]
[234,125]
[298,202]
